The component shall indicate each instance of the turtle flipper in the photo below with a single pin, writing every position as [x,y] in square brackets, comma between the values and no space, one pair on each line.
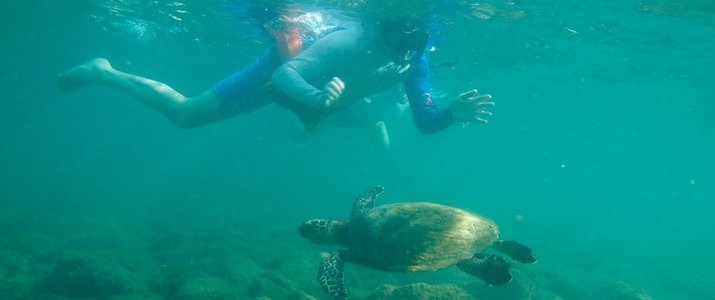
[516,251]
[331,277]
[366,200]
[493,269]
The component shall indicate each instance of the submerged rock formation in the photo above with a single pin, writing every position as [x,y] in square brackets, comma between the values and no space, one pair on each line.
[419,291]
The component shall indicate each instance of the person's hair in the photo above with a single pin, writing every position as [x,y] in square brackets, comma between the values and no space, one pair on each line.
[405,34]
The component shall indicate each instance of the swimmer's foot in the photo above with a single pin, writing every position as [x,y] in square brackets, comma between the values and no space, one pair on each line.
[83,75]
[382,134]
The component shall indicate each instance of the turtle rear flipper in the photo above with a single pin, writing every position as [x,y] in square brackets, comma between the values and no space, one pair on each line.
[331,277]
[366,200]
[493,269]
[516,251]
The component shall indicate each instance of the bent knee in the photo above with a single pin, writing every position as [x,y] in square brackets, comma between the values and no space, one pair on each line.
[196,111]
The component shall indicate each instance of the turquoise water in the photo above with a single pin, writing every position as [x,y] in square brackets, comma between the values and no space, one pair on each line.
[599,156]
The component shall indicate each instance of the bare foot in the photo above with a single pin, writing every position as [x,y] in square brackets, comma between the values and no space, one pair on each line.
[383,135]
[83,75]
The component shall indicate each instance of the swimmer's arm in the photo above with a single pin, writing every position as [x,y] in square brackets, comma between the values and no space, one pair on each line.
[428,117]
[322,59]
[468,107]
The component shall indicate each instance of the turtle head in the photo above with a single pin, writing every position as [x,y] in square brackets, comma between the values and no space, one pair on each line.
[322,231]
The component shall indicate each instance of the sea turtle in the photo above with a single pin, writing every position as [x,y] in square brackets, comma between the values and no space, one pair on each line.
[408,237]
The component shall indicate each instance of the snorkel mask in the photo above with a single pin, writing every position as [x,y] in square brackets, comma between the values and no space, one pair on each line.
[294,34]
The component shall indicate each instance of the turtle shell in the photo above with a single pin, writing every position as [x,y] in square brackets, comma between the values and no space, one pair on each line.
[417,236]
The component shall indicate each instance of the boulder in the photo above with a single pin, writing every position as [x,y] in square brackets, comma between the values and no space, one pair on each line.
[419,291]
[206,288]
[83,276]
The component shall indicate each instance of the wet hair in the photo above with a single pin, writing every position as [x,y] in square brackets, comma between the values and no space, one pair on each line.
[405,34]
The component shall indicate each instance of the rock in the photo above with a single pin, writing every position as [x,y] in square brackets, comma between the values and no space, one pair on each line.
[273,285]
[239,269]
[206,288]
[567,289]
[34,244]
[622,291]
[419,291]
[144,296]
[81,276]
[524,285]
[301,296]
[15,280]
[270,284]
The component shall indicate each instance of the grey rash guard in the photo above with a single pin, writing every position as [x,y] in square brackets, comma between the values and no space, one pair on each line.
[358,57]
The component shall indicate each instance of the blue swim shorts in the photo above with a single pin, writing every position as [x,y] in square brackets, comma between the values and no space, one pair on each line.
[248,89]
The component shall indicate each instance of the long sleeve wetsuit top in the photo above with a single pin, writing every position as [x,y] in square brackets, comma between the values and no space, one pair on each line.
[357,55]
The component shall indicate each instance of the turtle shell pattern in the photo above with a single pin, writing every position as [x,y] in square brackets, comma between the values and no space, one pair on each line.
[417,236]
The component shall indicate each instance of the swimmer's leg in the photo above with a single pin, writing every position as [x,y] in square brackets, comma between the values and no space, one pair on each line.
[382,135]
[185,112]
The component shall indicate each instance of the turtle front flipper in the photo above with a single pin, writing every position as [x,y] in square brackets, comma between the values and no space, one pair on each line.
[516,251]
[331,277]
[366,200]
[493,269]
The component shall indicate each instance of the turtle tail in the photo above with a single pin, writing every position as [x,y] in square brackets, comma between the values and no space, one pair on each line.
[331,277]
[493,269]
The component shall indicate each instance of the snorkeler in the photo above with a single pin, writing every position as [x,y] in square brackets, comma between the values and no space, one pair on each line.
[314,69]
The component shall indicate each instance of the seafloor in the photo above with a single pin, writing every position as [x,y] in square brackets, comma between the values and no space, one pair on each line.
[63,256]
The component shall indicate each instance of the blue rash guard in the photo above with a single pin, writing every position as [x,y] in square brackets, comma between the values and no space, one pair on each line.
[428,118]
[355,54]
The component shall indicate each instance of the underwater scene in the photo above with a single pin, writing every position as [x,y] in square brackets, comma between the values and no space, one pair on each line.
[265,149]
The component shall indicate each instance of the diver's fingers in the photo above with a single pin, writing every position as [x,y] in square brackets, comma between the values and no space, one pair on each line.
[334,88]
[339,82]
[480,99]
[336,84]
[332,92]
[484,112]
[331,99]
[468,94]
[484,103]
[404,69]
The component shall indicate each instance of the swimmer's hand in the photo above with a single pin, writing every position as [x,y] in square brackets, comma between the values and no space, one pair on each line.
[471,107]
[393,68]
[333,90]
